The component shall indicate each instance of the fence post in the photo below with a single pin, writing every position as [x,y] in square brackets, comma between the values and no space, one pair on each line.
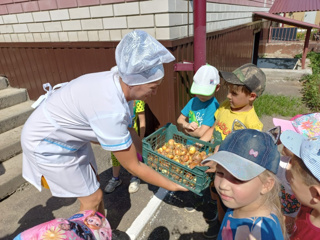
[305,48]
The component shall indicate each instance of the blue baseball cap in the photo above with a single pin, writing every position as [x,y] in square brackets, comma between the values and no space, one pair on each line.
[246,153]
[308,149]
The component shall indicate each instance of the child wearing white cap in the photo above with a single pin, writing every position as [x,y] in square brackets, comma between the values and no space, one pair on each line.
[198,115]
[245,179]
[303,174]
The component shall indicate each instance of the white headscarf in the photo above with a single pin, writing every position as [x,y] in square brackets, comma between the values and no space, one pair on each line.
[140,57]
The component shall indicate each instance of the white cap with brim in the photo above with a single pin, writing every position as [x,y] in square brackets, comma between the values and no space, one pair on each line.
[139,58]
[292,140]
[308,149]
[236,165]
[205,81]
[204,90]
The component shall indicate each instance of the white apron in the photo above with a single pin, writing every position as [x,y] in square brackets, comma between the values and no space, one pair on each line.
[66,166]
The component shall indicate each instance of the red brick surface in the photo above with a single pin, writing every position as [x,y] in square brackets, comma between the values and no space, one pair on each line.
[15,8]
[30,6]
[83,3]
[6,1]
[111,1]
[17,1]
[67,3]
[47,4]
[3,10]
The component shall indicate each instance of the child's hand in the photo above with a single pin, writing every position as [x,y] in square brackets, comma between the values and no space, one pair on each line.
[191,126]
[198,145]
[216,149]
[212,166]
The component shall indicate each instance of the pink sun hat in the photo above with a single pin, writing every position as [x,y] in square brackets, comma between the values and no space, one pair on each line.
[308,124]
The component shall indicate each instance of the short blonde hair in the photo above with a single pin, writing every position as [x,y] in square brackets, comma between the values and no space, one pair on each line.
[241,88]
[298,166]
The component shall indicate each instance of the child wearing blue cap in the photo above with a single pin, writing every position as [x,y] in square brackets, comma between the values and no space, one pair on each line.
[303,174]
[245,179]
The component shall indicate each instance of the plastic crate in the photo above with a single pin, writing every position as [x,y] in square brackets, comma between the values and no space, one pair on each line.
[196,179]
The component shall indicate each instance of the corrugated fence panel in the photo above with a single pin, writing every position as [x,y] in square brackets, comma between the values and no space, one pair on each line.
[29,65]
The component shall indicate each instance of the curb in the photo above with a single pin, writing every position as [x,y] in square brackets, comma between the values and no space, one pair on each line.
[140,222]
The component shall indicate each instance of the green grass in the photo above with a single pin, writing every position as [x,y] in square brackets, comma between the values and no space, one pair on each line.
[286,106]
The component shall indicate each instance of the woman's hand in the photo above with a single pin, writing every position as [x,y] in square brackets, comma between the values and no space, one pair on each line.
[180,188]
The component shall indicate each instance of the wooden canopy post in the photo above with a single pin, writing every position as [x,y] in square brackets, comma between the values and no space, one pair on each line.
[305,48]
[199,38]
[200,33]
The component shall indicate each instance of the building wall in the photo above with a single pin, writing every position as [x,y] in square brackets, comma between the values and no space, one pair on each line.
[110,20]
[58,40]
[286,49]
[317,18]
[301,17]
[297,16]
[30,65]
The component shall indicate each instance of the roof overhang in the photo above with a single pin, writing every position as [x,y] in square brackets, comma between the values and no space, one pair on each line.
[288,21]
[289,6]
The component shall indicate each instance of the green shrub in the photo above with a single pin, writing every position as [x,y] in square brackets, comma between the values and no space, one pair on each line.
[311,83]
[310,91]
[301,35]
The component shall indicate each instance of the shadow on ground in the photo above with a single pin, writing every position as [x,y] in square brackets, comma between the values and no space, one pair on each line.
[118,203]
[182,200]
[40,214]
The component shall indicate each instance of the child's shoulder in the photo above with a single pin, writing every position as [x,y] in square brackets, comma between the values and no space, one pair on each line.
[259,227]
[225,106]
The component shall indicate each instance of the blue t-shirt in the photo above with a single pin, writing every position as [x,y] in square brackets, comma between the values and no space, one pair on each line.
[203,111]
[264,228]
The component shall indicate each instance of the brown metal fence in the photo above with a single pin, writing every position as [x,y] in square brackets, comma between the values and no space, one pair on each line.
[29,65]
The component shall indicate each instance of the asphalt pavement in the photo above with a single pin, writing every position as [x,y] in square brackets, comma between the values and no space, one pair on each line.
[151,213]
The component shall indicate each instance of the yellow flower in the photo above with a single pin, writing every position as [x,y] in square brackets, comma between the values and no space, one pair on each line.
[53,233]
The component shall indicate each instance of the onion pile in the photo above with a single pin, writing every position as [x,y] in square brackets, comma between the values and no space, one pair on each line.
[187,155]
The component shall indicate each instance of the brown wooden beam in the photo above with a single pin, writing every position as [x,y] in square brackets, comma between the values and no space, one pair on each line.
[305,48]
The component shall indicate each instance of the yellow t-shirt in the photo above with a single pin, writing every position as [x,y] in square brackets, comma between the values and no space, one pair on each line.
[225,117]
